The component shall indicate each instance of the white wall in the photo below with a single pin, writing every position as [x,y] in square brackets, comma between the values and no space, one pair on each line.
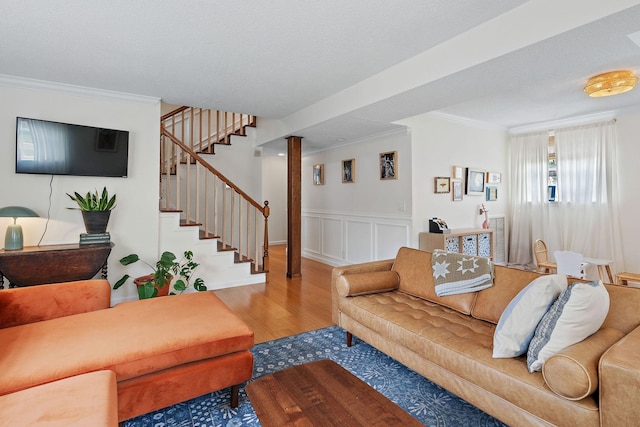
[437,145]
[134,222]
[362,221]
[629,181]
[274,189]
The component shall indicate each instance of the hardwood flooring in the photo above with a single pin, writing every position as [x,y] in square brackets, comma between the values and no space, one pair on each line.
[282,306]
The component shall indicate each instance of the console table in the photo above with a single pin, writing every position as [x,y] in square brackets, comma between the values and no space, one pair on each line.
[39,265]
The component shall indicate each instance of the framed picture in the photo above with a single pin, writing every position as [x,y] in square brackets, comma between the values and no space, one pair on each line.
[457,190]
[389,165]
[442,184]
[492,194]
[349,171]
[457,172]
[318,174]
[474,182]
[494,177]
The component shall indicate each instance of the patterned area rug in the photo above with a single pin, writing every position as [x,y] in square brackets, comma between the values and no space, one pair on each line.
[430,404]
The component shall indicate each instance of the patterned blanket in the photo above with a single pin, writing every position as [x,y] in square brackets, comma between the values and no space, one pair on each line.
[455,273]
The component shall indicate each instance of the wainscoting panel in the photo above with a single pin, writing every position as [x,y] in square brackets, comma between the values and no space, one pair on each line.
[389,238]
[359,245]
[311,228]
[341,238]
[332,241]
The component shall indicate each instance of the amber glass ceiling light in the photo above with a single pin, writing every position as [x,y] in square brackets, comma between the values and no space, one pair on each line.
[611,83]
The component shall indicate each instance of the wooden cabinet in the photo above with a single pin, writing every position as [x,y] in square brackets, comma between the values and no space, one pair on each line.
[469,241]
[38,265]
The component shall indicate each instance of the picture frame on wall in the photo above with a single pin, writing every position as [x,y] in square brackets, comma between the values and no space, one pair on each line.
[457,172]
[441,184]
[318,174]
[389,165]
[456,188]
[474,182]
[492,194]
[349,171]
[494,177]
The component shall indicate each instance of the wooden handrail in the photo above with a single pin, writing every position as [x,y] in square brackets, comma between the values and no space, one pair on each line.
[213,170]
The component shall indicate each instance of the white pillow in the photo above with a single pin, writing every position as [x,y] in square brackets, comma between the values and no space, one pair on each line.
[518,321]
[577,313]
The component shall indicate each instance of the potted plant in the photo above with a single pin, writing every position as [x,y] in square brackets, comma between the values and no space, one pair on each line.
[96,209]
[157,283]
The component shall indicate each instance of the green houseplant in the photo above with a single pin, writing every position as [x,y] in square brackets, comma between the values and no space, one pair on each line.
[96,209]
[157,283]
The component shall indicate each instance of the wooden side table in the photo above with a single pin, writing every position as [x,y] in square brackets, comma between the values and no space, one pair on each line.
[39,265]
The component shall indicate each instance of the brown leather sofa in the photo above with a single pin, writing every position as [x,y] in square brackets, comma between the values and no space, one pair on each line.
[392,306]
[162,350]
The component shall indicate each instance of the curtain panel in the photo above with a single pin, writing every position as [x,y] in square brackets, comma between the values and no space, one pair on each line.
[584,217]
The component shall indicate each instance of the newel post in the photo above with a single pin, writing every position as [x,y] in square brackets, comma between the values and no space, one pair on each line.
[266,210]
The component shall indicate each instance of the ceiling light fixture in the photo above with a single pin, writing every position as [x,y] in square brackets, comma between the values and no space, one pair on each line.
[611,83]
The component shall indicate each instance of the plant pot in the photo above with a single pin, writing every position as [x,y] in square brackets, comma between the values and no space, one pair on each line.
[162,291]
[96,221]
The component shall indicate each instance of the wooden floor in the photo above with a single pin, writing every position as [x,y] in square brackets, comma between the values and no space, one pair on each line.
[282,306]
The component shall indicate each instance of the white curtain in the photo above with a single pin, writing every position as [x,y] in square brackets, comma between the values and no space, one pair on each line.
[529,201]
[585,216]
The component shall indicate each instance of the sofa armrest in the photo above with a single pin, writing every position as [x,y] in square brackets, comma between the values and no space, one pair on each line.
[366,267]
[30,304]
[620,381]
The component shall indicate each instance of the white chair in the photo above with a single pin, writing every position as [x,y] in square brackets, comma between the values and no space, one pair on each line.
[570,264]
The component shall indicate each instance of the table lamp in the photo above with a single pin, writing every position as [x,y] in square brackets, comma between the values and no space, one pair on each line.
[13,238]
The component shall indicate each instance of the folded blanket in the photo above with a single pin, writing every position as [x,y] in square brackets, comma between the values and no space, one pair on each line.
[455,273]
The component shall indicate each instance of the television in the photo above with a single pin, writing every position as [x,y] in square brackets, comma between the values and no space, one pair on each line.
[52,148]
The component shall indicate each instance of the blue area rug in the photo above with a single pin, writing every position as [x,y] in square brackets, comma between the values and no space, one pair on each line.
[430,404]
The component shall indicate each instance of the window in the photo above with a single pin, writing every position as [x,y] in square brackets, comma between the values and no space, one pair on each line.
[552,177]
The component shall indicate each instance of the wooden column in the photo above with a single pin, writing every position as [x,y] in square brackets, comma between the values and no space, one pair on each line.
[294,206]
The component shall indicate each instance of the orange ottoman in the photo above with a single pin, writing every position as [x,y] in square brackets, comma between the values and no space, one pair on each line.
[84,400]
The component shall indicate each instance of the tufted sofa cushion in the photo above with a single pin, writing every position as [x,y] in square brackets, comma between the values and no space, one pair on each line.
[416,278]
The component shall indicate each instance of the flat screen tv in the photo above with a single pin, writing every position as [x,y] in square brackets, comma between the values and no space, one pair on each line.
[52,148]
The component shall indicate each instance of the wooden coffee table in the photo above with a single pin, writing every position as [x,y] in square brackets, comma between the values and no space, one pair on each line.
[322,393]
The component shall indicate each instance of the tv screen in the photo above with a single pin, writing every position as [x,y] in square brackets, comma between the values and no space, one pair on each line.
[52,148]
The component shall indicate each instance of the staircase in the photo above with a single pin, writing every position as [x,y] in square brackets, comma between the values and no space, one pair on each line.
[201,209]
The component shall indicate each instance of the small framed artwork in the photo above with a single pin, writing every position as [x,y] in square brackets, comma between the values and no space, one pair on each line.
[457,172]
[492,194]
[494,177]
[456,187]
[318,174]
[389,165]
[349,171]
[442,184]
[474,182]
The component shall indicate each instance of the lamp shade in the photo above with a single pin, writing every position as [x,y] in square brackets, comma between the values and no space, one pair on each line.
[16,212]
[13,238]
[611,83]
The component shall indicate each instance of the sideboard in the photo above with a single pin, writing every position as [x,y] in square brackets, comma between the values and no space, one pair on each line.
[39,265]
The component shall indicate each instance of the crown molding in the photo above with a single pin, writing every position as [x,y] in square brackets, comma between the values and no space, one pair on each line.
[67,89]
[402,129]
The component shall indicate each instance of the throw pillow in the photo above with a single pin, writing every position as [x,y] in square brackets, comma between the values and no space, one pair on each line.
[577,313]
[351,285]
[518,321]
[573,372]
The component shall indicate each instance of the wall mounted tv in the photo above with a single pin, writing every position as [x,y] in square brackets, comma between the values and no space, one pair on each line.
[52,148]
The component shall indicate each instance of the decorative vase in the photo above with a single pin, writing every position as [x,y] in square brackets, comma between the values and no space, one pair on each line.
[162,291]
[96,221]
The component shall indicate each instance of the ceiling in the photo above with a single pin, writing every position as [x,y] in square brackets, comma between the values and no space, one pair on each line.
[334,71]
